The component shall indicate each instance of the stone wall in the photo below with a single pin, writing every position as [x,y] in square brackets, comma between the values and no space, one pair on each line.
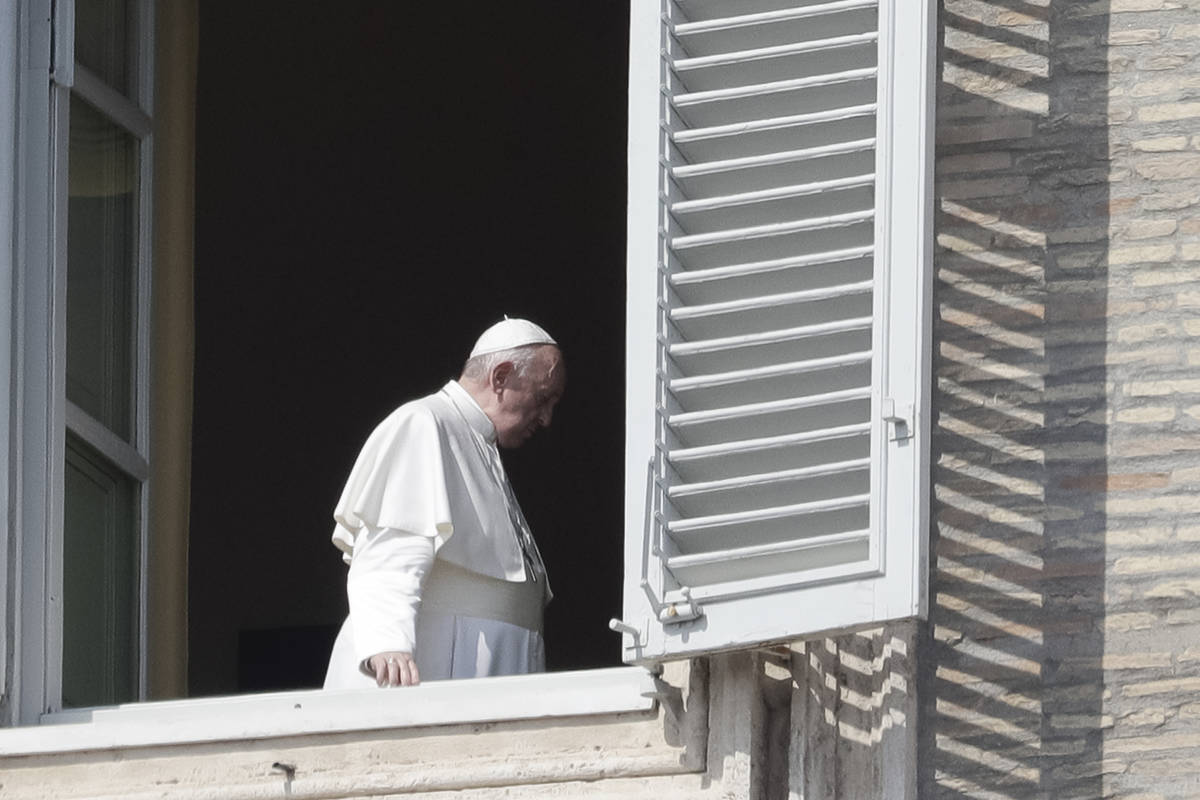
[616,756]
[1063,655]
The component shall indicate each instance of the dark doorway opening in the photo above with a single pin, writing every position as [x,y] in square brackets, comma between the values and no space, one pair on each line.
[378,182]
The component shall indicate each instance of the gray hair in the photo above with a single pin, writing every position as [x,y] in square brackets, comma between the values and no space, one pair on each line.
[479,367]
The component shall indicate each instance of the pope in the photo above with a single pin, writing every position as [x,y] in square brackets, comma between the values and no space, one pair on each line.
[445,579]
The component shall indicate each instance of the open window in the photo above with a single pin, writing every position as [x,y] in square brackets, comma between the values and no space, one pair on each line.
[778,335]
[84,158]
[102,95]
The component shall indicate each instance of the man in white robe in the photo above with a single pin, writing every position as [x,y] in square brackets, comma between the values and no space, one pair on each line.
[445,579]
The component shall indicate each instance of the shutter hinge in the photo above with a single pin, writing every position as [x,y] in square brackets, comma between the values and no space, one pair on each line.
[679,607]
[901,417]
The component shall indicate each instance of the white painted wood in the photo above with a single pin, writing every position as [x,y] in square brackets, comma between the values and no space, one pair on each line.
[910,292]
[774,123]
[781,501]
[772,87]
[63,71]
[771,159]
[35,356]
[642,255]
[723,556]
[56,453]
[791,368]
[746,198]
[683,454]
[132,114]
[114,105]
[142,330]
[251,717]
[41,414]
[684,64]
[10,51]
[787,298]
[799,12]
[737,270]
[684,489]
[752,409]
[679,349]
[760,514]
[122,454]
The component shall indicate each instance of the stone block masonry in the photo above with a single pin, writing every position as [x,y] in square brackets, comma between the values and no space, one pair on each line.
[1061,658]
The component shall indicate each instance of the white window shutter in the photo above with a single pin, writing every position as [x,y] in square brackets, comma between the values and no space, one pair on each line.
[779,315]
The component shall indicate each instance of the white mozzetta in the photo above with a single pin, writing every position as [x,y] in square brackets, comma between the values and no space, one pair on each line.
[251,717]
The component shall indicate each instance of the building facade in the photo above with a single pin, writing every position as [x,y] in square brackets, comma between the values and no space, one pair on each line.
[1059,656]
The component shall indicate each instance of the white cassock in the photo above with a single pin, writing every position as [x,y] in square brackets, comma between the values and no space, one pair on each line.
[442,563]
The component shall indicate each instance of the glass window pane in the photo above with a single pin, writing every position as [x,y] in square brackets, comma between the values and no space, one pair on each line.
[101,268]
[104,32]
[100,581]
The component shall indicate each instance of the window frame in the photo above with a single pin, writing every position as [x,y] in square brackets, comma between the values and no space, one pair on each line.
[44,416]
[9,163]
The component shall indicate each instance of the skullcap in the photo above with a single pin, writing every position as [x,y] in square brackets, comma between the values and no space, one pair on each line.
[509,333]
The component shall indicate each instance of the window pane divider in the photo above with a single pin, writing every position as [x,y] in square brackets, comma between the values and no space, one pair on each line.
[93,432]
[112,103]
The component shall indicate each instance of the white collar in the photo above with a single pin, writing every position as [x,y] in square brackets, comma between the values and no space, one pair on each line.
[470,410]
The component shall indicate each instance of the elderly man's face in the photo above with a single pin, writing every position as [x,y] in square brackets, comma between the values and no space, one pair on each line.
[527,402]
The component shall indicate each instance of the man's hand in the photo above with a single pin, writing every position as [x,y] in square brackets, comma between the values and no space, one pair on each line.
[394,669]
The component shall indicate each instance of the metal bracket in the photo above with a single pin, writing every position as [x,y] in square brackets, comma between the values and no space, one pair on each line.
[901,417]
[680,609]
[620,626]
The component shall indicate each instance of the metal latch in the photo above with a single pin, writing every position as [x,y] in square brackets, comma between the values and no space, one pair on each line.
[620,626]
[901,417]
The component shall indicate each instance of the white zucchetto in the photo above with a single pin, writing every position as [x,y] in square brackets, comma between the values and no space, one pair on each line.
[509,333]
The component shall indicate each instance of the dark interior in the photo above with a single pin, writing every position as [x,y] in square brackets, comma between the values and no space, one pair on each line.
[377,183]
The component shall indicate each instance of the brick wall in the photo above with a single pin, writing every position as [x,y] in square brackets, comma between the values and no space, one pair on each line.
[1063,657]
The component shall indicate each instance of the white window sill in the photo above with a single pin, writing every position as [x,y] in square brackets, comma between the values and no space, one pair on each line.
[249,717]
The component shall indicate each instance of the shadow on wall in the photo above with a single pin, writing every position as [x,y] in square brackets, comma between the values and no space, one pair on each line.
[851,712]
[1012,682]
[833,716]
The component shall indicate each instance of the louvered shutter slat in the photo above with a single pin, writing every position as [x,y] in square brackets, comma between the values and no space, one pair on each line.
[735,205]
[771,308]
